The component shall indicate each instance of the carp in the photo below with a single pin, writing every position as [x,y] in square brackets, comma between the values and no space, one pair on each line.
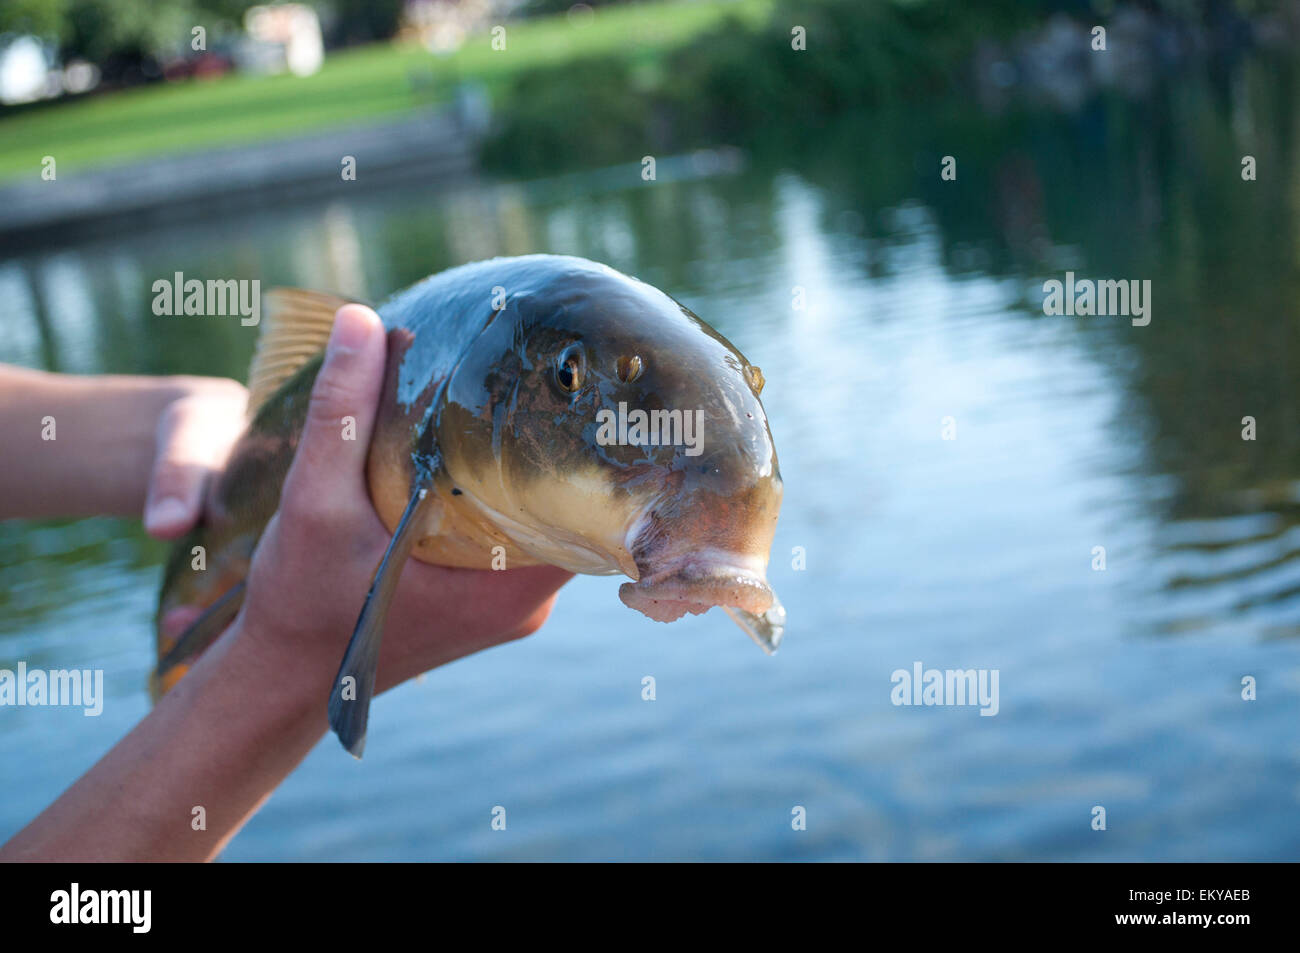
[543,409]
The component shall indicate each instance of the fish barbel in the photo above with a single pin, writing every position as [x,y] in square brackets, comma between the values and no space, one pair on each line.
[535,410]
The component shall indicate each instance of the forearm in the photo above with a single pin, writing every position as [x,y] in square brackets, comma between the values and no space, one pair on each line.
[77,446]
[222,740]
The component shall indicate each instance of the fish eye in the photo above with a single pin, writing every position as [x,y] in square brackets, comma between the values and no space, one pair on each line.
[570,369]
[630,367]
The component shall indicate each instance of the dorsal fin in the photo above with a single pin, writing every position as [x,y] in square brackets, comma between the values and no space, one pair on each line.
[296,328]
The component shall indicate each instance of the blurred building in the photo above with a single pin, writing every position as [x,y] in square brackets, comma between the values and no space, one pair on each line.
[441,26]
[30,71]
[286,36]
[27,71]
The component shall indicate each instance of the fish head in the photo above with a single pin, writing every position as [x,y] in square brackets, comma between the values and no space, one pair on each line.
[608,429]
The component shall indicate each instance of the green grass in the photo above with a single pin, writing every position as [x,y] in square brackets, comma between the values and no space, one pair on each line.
[367,83]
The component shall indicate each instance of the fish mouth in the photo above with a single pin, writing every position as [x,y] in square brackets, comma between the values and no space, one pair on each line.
[699,582]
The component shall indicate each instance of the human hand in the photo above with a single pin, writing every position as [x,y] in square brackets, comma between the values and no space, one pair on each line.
[194,436]
[315,561]
[254,704]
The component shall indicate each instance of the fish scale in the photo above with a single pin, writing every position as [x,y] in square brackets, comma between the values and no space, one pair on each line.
[491,443]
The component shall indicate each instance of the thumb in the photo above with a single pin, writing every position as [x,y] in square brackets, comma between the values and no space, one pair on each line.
[330,462]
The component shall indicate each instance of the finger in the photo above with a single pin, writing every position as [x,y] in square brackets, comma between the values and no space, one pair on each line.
[521,599]
[179,473]
[330,462]
[175,621]
[538,588]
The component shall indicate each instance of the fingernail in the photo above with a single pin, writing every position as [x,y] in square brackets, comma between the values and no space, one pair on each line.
[165,513]
[349,332]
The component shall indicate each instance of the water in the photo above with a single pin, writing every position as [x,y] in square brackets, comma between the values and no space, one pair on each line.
[921,301]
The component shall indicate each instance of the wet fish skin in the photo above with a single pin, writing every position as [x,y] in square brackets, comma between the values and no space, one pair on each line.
[472,406]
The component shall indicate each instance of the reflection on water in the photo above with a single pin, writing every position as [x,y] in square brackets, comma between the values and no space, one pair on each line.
[920,300]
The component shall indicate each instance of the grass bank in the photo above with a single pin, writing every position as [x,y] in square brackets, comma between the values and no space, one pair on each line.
[372,82]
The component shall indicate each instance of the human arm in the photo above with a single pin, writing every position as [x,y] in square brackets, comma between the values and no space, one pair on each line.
[255,703]
[113,444]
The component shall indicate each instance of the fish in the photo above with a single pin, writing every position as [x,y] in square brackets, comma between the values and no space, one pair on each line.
[541,409]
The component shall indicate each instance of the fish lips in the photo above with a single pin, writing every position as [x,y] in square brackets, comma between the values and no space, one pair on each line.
[696,584]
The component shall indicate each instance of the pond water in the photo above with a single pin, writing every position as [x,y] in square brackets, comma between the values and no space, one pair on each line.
[890,310]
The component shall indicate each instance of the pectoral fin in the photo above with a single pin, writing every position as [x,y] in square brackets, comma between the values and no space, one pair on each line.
[202,632]
[349,705]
